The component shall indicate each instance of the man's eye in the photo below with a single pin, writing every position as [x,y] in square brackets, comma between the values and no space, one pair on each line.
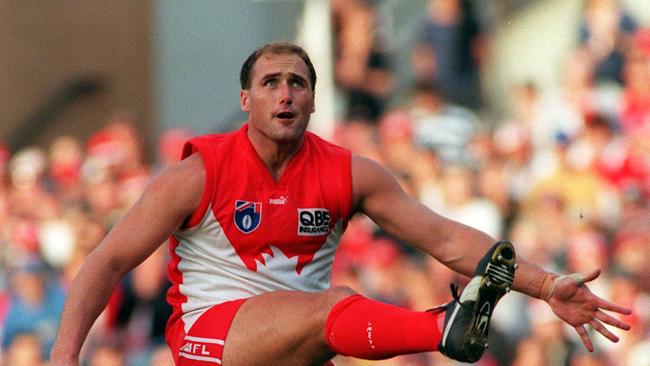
[297,84]
[270,82]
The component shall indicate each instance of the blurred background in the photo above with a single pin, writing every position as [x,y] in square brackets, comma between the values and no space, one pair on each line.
[529,120]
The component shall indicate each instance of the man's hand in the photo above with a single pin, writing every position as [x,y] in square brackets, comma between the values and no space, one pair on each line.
[574,303]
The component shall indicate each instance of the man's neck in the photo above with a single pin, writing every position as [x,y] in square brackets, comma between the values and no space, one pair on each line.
[275,155]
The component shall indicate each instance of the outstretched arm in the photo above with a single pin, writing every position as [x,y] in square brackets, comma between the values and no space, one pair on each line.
[460,247]
[167,201]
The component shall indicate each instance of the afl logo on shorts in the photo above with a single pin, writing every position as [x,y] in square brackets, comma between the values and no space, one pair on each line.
[247,215]
[313,221]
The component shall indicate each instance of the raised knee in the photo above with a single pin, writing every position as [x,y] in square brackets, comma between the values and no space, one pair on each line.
[338,293]
[329,299]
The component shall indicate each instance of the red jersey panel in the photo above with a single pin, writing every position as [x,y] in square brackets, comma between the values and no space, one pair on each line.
[252,234]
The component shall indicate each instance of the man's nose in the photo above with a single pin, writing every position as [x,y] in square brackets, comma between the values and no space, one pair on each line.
[284,93]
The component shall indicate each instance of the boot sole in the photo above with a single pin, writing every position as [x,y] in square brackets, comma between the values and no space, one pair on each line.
[496,282]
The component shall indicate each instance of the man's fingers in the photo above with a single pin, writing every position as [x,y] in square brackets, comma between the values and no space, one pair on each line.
[600,328]
[606,305]
[584,336]
[608,319]
[591,276]
[580,278]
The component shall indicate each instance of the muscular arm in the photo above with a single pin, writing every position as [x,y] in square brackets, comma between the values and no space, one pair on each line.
[168,200]
[377,194]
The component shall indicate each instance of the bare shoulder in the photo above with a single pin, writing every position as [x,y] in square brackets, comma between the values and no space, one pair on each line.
[370,178]
[181,184]
[192,168]
[367,171]
[364,168]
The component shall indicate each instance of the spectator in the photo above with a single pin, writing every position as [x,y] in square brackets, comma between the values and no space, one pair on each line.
[440,126]
[426,169]
[362,67]
[65,159]
[450,51]
[29,193]
[395,141]
[606,30]
[514,139]
[359,135]
[107,355]
[587,359]
[461,203]
[171,144]
[4,176]
[141,300]
[493,183]
[635,109]
[161,356]
[580,188]
[627,288]
[565,108]
[556,346]
[25,349]
[36,304]
[530,352]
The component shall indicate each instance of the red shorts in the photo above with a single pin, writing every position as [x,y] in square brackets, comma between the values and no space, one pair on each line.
[203,344]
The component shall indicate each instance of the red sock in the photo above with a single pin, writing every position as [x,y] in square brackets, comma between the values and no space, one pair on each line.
[372,330]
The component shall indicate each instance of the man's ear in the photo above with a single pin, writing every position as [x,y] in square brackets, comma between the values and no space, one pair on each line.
[243,100]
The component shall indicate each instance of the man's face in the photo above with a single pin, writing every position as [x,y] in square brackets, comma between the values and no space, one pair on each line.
[280,100]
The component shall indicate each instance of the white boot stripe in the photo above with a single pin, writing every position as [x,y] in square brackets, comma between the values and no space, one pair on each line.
[449,324]
[500,277]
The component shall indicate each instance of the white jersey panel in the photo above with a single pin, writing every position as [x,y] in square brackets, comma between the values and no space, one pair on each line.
[213,273]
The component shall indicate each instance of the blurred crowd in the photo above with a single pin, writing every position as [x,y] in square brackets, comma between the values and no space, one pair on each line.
[56,205]
[564,174]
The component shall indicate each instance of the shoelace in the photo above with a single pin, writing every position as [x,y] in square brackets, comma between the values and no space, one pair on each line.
[454,293]
[456,296]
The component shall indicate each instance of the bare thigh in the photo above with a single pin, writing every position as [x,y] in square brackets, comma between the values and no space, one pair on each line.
[282,328]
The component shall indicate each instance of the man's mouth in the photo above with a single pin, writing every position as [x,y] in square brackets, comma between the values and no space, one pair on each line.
[285,115]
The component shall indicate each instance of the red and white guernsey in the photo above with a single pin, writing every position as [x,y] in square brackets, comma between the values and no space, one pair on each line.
[252,234]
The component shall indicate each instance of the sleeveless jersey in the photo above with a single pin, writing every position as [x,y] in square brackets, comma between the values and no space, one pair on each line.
[252,234]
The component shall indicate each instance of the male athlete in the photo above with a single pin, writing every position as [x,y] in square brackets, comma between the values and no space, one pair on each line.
[254,217]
